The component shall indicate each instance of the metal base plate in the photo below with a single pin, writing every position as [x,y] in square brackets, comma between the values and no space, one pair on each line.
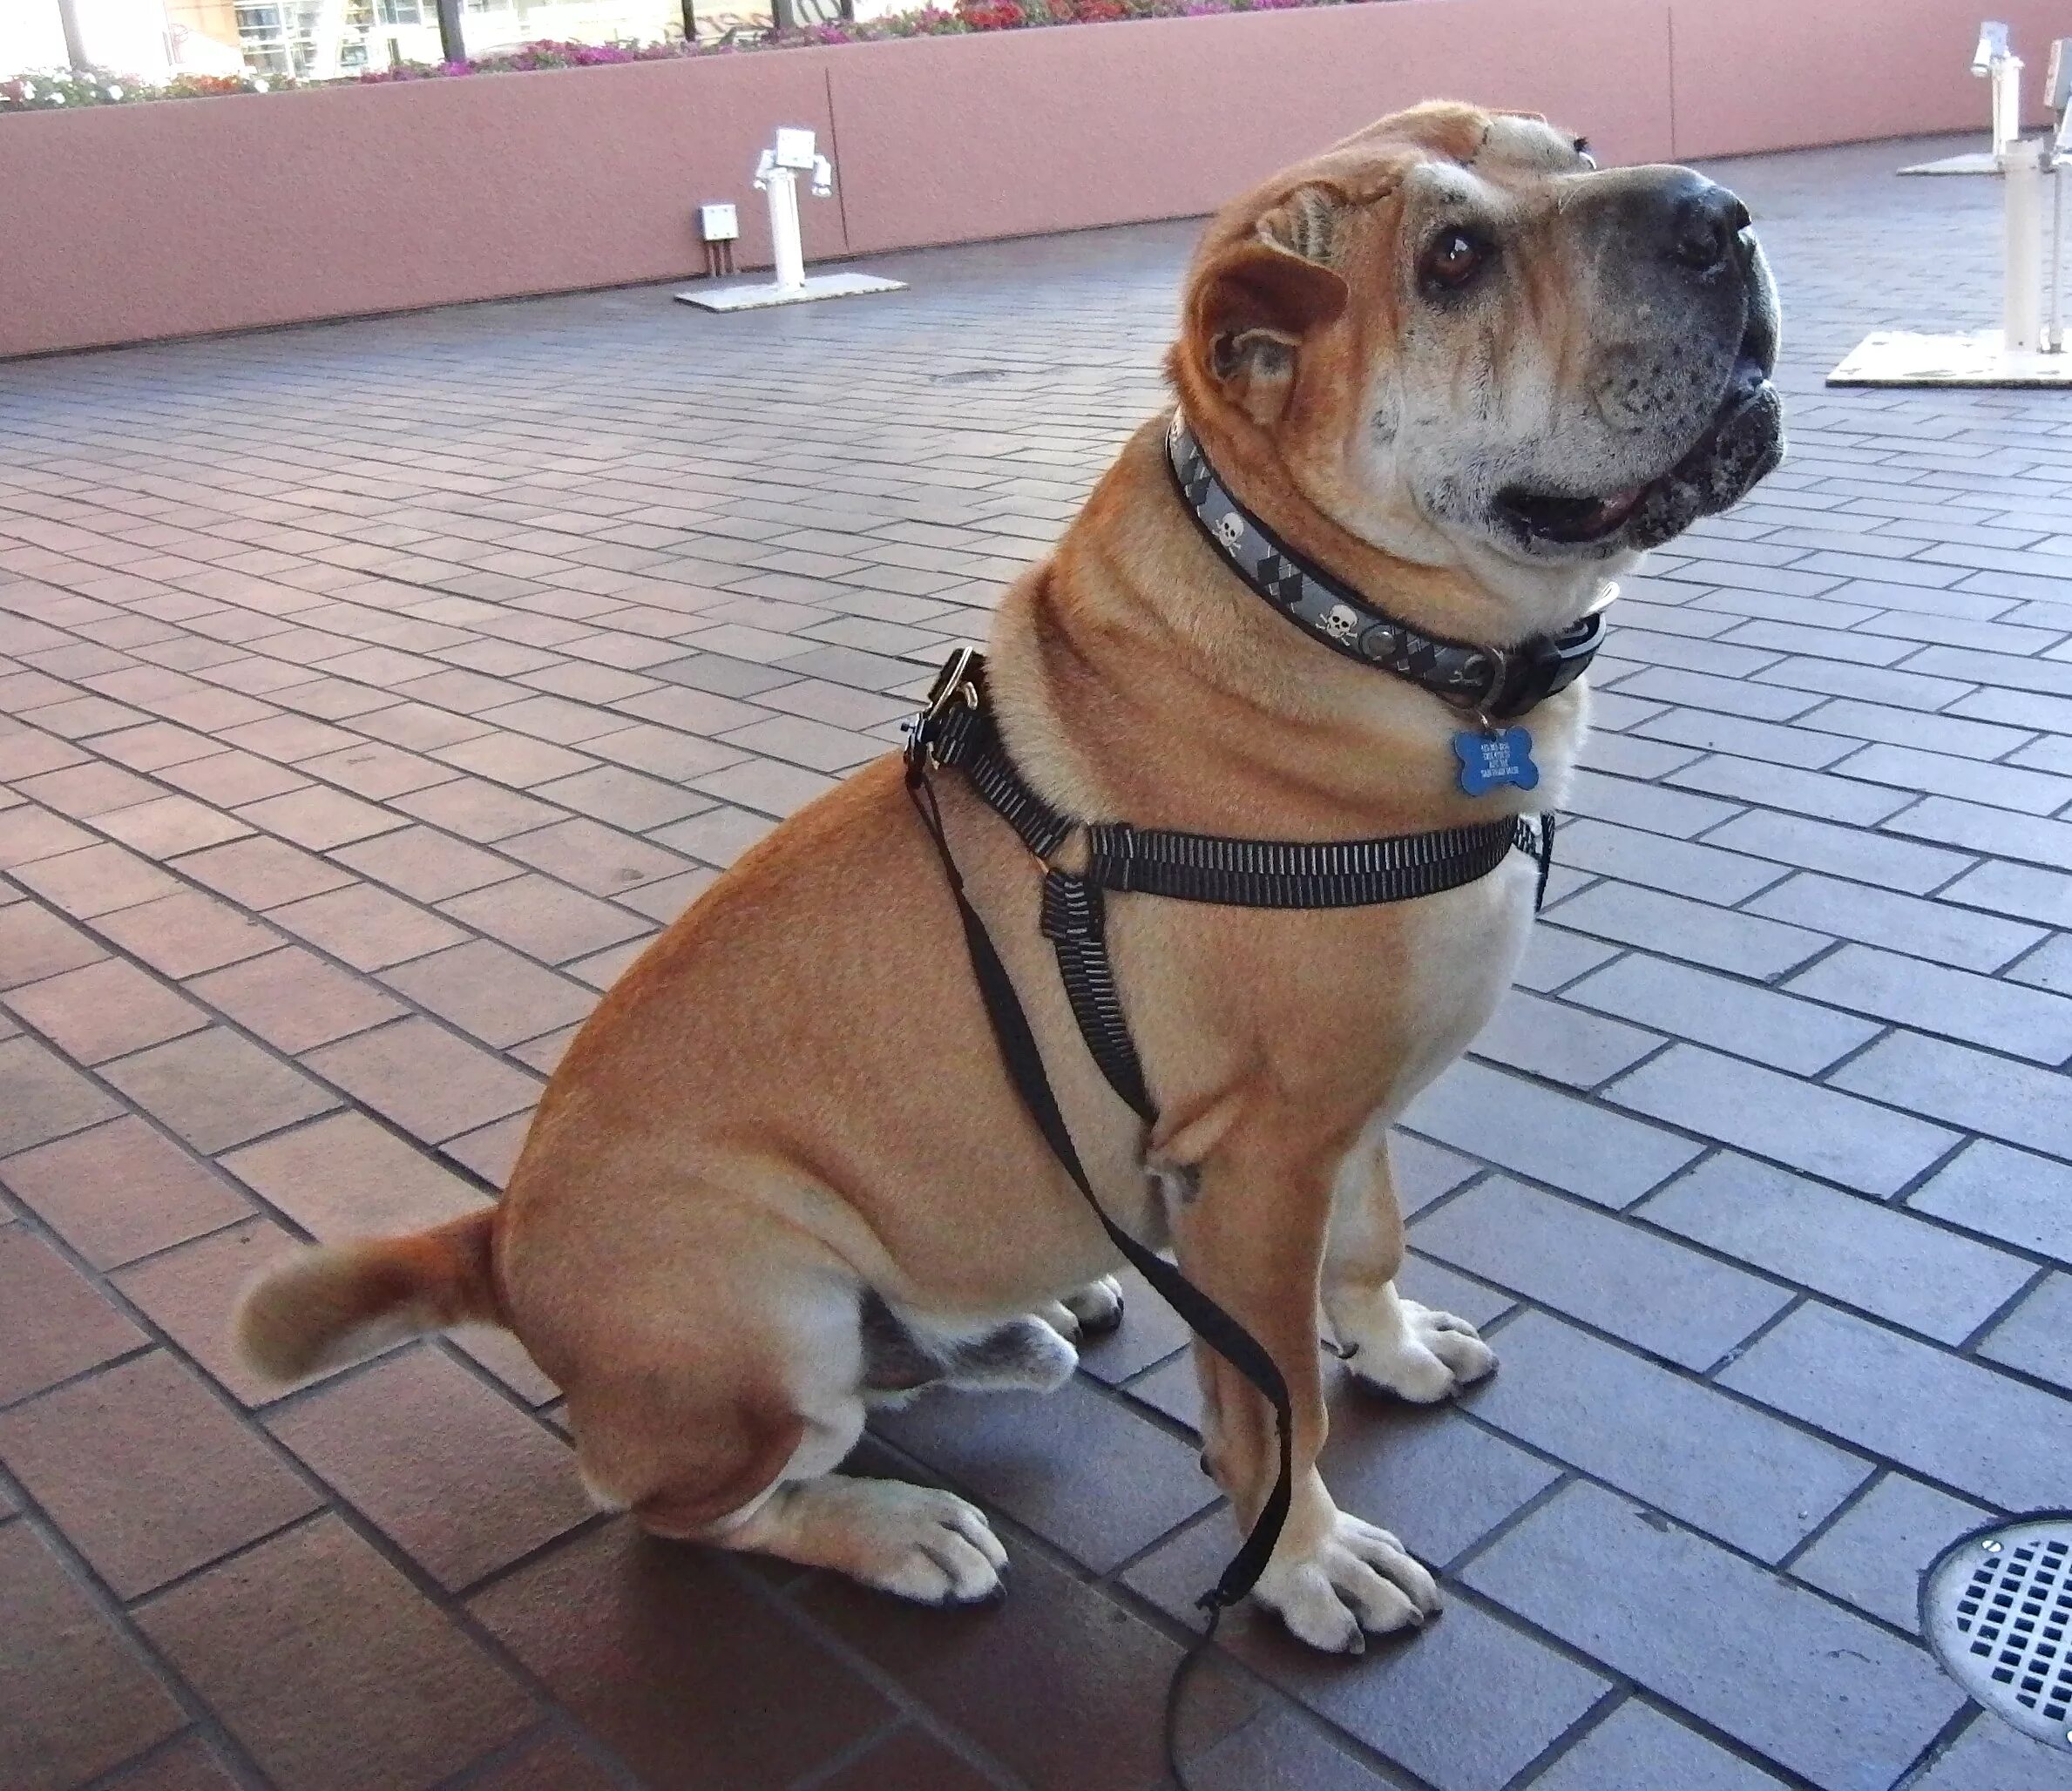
[1904,357]
[818,286]
[1977,161]
[1996,1606]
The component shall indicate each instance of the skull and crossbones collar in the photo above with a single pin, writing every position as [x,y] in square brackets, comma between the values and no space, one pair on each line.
[1494,683]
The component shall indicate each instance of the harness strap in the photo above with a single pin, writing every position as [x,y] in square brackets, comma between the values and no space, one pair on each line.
[1291,873]
[1024,1061]
[958,730]
[1074,919]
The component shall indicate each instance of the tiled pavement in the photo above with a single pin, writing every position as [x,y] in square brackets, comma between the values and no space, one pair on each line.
[373,691]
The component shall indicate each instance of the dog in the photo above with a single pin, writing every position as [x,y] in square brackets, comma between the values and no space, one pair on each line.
[782,1175]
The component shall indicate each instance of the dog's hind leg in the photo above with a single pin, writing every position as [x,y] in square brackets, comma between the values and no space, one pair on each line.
[1396,1345]
[1091,1311]
[751,1466]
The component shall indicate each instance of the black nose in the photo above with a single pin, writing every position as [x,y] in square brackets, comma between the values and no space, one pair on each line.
[1705,220]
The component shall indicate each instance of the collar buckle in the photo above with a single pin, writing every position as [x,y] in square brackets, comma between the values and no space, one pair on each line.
[956,683]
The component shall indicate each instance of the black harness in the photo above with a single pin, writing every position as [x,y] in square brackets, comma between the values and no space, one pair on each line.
[957,730]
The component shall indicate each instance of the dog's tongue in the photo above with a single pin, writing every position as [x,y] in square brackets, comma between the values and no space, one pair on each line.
[1615,509]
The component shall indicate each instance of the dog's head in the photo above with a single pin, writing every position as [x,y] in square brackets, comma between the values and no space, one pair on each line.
[1455,339]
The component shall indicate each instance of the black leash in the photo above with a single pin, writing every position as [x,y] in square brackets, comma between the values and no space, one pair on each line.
[954,729]
[1017,1041]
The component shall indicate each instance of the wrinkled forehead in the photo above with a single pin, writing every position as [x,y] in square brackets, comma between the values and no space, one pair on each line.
[1516,158]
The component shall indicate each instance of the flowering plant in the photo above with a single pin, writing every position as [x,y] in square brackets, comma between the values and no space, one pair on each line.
[74,87]
[48,89]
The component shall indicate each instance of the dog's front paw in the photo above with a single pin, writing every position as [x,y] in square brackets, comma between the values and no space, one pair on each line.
[1358,1583]
[1422,1357]
[926,1544]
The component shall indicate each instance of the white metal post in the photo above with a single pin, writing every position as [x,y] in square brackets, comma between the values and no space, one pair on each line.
[789,252]
[2022,319]
[2054,338]
[2007,102]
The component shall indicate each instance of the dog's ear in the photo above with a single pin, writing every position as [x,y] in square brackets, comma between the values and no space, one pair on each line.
[1253,307]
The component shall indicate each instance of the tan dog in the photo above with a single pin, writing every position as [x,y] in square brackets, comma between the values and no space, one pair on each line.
[782,1173]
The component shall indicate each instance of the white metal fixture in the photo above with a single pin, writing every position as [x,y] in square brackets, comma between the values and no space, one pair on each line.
[777,174]
[719,228]
[2022,351]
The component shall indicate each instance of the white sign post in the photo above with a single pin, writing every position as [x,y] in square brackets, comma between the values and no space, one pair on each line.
[777,174]
[2022,352]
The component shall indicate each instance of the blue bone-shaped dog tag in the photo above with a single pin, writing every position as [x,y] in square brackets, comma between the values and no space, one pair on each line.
[1494,758]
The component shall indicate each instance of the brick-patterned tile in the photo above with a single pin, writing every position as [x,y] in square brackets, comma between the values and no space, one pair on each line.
[429,1082]
[1886,1263]
[366,928]
[450,1471]
[85,790]
[121,1191]
[97,880]
[54,1322]
[27,834]
[1772,1665]
[231,778]
[319,818]
[593,856]
[491,992]
[549,1763]
[1889,1395]
[35,943]
[667,1655]
[104,1010]
[171,825]
[1874,1555]
[623,798]
[42,1097]
[1666,1298]
[183,934]
[330,1670]
[346,1177]
[295,1000]
[216,1090]
[544,919]
[260,872]
[76,1697]
[492,1151]
[476,809]
[189,1764]
[148,1476]
[427,865]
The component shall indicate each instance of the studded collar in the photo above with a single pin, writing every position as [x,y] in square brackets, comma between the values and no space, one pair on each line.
[1495,684]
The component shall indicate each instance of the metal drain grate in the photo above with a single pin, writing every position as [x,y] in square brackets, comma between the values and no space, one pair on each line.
[1996,1606]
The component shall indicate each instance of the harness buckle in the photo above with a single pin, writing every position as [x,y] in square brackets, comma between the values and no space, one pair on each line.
[954,682]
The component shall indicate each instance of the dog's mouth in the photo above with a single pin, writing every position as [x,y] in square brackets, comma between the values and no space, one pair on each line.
[1744,442]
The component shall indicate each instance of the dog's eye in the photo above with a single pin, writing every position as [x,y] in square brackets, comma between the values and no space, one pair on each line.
[1453,259]
[1583,155]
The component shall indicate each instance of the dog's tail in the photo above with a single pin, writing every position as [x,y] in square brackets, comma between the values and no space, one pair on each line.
[331,1302]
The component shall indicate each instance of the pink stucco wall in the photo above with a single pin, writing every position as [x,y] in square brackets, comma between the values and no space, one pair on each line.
[131,223]
[960,138]
[1781,74]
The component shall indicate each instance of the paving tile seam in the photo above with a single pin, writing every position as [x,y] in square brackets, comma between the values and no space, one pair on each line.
[109,1606]
[343,1101]
[1110,1584]
[1800,1297]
